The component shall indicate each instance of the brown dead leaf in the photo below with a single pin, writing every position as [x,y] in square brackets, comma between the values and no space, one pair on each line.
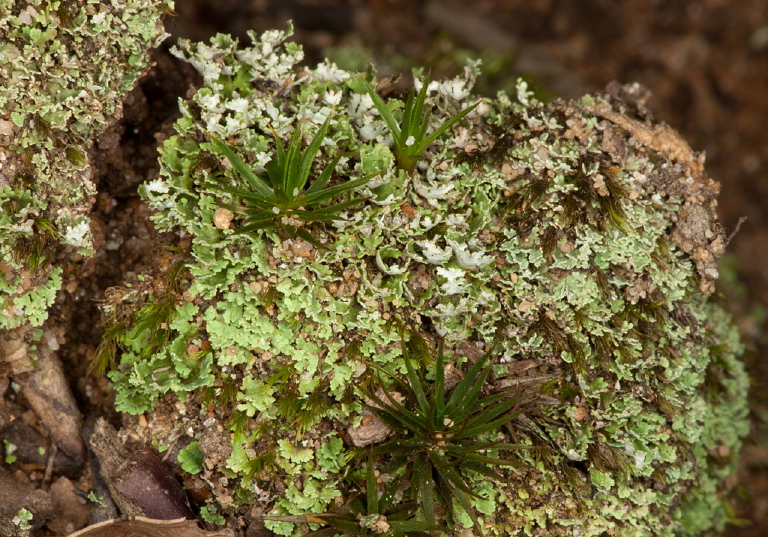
[139,483]
[147,527]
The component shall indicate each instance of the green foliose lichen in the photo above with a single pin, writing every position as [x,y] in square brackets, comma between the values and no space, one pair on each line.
[565,234]
[65,67]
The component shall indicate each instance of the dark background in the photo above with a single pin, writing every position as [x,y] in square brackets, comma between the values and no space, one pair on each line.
[706,63]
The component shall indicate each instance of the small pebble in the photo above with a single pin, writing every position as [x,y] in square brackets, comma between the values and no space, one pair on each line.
[222,218]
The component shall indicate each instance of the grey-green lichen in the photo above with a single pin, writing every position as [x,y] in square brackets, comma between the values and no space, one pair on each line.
[578,240]
[65,66]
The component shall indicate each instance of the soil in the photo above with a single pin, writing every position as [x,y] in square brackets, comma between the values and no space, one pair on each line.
[705,62]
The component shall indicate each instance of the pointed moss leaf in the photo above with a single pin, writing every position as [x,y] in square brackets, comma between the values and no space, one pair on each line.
[306,162]
[460,391]
[482,469]
[440,382]
[256,183]
[330,192]
[422,479]
[463,499]
[371,489]
[469,397]
[395,415]
[384,112]
[416,386]
[307,236]
[319,184]
[448,124]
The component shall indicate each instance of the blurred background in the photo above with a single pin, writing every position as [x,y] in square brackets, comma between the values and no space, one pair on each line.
[706,63]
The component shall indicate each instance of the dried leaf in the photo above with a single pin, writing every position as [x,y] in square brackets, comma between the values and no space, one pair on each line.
[138,481]
[147,527]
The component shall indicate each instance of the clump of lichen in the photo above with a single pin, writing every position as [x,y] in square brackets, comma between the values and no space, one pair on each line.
[65,66]
[576,240]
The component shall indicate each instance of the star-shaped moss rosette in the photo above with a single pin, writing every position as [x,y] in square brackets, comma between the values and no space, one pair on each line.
[282,194]
[440,437]
[411,135]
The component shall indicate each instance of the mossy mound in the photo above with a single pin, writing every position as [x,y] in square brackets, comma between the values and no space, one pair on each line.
[578,238]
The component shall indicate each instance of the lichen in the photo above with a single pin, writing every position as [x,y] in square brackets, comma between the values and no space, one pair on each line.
[54,100]
[555,232]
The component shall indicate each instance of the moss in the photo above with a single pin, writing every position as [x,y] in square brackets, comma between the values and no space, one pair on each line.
[555,241]
[55,99]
